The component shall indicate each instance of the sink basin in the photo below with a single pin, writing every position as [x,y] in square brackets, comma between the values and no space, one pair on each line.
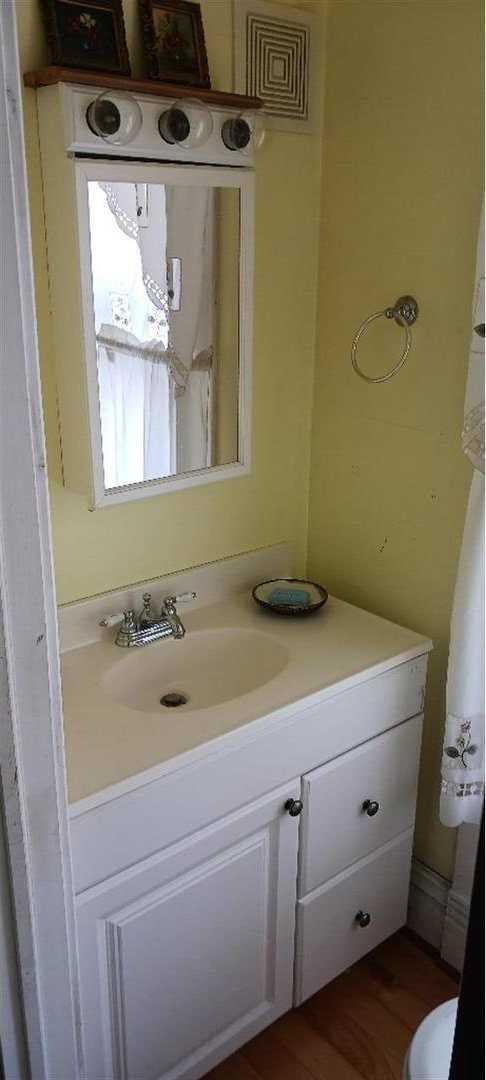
[206,667]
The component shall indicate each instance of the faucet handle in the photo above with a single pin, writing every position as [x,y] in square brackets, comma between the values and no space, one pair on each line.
[112,620]
[181,598]
[127,628]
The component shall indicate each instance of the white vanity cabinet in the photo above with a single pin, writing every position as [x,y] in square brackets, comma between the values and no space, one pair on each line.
[190,953]
[197,928]
[205,908]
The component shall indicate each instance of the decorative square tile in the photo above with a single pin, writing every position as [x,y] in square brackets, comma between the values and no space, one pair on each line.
[274,60]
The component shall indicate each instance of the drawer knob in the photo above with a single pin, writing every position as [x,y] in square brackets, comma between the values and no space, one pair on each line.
[294,807]
[371,807]
[363,918]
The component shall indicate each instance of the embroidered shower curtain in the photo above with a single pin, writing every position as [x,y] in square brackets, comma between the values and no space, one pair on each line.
[462,788]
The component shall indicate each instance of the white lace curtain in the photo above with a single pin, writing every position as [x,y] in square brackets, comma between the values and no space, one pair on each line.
[190,226]
[154,363]
[462,788]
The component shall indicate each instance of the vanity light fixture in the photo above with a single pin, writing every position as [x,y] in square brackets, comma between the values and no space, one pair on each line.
[187,123]
[245,133]
[115,116]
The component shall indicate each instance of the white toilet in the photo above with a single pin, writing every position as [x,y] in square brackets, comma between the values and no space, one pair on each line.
[430,1051]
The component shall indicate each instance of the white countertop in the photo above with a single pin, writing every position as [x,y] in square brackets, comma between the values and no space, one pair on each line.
[329,651]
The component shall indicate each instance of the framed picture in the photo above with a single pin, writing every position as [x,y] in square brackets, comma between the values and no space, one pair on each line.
[174,42]
[86,35]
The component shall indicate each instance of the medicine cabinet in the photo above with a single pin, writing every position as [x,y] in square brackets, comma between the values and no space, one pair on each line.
[150,253]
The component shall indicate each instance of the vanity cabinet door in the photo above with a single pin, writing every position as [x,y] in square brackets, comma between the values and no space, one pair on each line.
[187,955]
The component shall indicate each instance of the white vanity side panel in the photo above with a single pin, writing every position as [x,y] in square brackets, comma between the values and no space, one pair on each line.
[60,212]
[122,831]
[385,770]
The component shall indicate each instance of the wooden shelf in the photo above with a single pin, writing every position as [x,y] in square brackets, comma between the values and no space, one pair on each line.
[48,76]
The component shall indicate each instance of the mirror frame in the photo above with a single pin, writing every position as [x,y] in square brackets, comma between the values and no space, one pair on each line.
[213,176]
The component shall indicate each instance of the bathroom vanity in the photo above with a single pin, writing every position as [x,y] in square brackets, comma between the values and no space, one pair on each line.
[233,855]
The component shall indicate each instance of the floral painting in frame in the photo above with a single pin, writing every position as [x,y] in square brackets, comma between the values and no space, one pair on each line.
[174,42]
[86,35]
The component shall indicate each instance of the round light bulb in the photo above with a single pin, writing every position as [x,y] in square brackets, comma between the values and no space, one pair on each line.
[245,133]
[236,133]
[187,123]
[115,117]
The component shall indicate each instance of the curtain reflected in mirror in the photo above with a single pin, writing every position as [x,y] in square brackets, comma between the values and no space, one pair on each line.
[165,273]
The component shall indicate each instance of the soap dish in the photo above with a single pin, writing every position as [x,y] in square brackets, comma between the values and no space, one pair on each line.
[290,596]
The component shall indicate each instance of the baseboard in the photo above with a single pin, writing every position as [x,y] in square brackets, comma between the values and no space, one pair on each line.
[438,914]
[455,929]
[427,903]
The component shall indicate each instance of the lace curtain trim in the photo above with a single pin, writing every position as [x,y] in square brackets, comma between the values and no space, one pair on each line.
[156,294]
[126,223]
[473,436]
[130,227]
[450,787]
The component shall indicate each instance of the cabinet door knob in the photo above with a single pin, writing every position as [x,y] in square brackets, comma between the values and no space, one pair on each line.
[363,918]
[371,807]
[294,807]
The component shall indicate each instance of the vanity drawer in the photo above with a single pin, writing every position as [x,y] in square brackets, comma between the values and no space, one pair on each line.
[329,938]
[336,830]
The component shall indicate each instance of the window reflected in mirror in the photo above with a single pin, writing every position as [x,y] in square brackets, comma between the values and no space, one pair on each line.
[165,290]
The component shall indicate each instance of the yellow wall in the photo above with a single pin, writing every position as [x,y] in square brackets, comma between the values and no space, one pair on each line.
[124,544]
[401,200]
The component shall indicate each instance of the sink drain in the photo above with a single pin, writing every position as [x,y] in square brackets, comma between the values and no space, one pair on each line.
[173,699]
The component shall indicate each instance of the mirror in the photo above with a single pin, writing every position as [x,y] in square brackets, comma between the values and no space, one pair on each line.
[165,263]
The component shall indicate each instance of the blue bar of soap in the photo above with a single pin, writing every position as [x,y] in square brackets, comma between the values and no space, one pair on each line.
[292,597]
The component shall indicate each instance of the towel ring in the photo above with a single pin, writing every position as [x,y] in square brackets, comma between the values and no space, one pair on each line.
[405,312]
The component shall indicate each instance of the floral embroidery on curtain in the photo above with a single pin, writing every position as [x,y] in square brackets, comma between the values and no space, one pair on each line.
[462,744]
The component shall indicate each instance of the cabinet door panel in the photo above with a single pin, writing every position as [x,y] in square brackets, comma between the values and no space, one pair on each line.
[190,954]
[206,928]
[329,938]
[336,831]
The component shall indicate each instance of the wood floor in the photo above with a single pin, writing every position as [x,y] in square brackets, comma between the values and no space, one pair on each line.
[356,1028]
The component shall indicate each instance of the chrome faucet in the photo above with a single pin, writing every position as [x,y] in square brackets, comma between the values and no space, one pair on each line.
[169,612]
[149,627]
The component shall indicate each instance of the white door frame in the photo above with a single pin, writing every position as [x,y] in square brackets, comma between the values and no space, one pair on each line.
[12,1036]
[32,768]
